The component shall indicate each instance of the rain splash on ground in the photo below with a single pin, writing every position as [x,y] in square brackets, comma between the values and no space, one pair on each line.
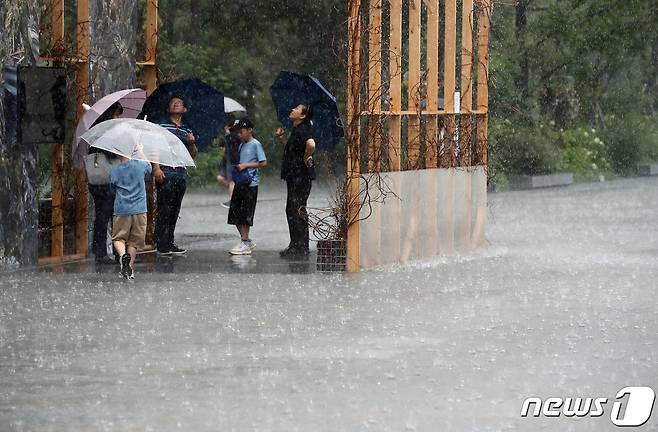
[561,303]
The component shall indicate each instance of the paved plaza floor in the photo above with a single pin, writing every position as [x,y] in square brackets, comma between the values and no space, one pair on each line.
[561,303]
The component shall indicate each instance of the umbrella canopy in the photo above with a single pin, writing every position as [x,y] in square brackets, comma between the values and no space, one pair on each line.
[131,100]
[231,105]
[290,89]
[205,108]
[139,139]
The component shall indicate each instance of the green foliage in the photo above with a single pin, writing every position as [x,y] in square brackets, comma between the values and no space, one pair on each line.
[631,139]
[584,153]
[207,167]
[592,65]
[522,149]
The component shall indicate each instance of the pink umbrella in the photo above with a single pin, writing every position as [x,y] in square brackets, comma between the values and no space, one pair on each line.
[131,100]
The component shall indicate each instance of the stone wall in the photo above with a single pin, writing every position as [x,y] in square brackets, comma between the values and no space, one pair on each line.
[19,45]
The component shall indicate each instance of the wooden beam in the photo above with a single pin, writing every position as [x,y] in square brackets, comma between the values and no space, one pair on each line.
[150,63]
[374,85]
[58,48]
[450,60]
[431,140]
[60,259]
[466,87]
[430,188]
[151,79]
[372,232]
[353,133]
[395,84]
[391,248]
[57,162]
[82,96]
[484,28]
[413,87]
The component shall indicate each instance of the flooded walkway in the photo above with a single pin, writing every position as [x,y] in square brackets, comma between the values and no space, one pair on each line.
[561,303]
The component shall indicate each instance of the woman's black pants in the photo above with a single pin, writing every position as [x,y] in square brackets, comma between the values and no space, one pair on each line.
[298,191]
[103,208]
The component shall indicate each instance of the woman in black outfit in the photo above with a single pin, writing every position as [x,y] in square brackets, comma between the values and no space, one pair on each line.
[103,197]
[298,172]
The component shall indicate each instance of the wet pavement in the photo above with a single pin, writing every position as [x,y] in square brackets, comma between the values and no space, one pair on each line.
[561,303]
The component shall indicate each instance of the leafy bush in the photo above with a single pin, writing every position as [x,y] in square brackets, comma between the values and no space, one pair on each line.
[207,167]
[523,149]
[630,139]
[584,153]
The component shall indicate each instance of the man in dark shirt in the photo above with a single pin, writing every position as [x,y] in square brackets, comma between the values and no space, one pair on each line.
[171,183]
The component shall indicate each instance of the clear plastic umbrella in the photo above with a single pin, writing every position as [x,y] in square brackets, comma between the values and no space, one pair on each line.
[139,139]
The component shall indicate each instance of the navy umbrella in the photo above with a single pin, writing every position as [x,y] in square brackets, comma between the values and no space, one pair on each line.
[291,89]
[205,108]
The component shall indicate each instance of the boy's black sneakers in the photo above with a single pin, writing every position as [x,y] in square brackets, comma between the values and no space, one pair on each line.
[131,273]
[124,261]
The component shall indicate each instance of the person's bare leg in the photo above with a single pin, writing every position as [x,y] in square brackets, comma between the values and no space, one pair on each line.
[120,247]
[231,185]
[132,251]
[222,181]
[244,232]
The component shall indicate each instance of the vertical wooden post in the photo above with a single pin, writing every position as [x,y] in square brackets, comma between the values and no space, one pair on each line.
[448,144]
[391,250]
[413,87]
[466,87]
[151,77]
[353,132]
[58,30]
[57,163]
[395,86]
[431,209]
[431,148]
[82,96]
[374,85]
[372,230]
[484,26]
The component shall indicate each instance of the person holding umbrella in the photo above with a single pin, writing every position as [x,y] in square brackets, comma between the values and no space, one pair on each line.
[171,182]
[129,222]
[298,172]
[139,144]
[101,191]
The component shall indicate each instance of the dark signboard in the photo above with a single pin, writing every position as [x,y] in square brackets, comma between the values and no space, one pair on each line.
[41,104]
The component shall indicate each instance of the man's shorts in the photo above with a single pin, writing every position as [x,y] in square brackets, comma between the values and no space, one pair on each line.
[130,229]
[243,205]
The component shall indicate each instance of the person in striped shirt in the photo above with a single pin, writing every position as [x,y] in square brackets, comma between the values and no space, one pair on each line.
[171,183]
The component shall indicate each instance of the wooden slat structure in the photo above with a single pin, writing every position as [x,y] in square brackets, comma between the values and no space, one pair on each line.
[57,54]
[443,40]
[353,132]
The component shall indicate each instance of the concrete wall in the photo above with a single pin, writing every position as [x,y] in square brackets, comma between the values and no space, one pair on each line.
[426,213]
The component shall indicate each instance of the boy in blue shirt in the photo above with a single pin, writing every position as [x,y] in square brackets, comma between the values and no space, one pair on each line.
[246,176]
[129,222]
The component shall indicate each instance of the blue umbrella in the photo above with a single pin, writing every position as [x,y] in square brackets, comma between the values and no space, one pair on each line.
[291,89]
[205,108]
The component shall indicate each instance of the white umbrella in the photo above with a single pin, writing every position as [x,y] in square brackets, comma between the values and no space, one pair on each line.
[139,139]
[231,105]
